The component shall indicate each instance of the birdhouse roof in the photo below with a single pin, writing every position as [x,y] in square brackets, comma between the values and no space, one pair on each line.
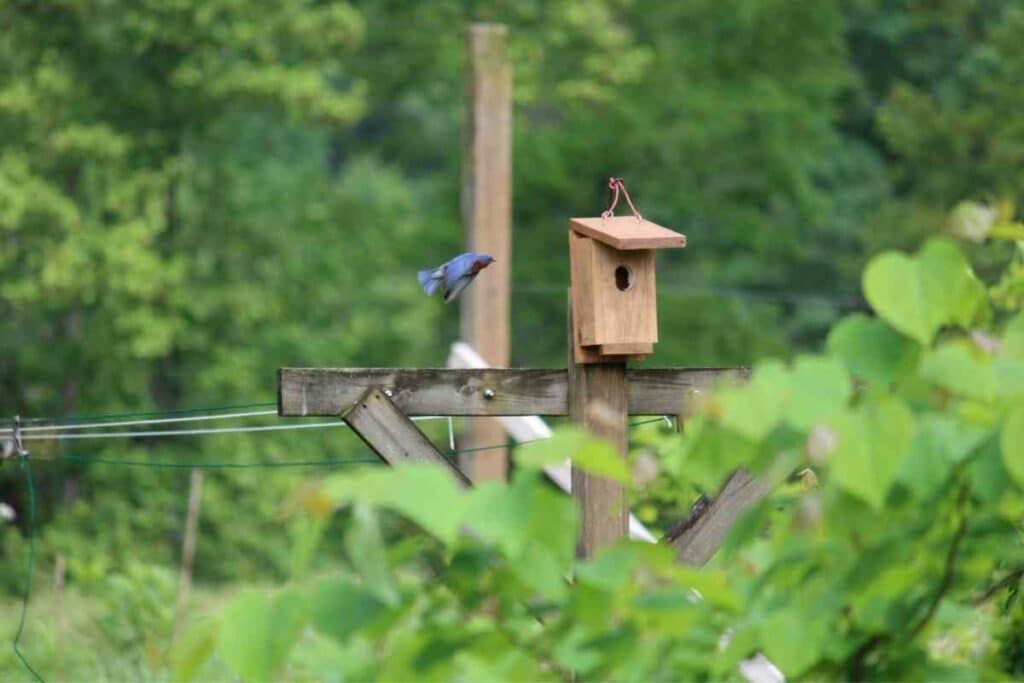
[628,232]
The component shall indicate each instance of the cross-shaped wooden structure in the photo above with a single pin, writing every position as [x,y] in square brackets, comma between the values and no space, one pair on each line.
[612,297]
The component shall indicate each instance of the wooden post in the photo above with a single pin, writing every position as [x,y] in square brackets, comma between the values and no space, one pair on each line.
[188,549]
[599,401]
[698,536]
[393,436]
[487,215]
[188,545]
[59,575]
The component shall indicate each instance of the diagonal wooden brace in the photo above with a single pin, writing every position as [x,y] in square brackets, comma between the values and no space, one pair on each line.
[392,435]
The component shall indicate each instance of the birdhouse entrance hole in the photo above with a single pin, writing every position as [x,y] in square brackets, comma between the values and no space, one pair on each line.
[623,278]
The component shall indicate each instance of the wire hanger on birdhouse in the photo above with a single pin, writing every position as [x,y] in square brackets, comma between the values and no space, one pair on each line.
[615,186]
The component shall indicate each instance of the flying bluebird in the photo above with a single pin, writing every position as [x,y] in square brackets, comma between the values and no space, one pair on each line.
[454,275]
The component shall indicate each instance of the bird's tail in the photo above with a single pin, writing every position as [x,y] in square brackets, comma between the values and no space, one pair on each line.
[430,279]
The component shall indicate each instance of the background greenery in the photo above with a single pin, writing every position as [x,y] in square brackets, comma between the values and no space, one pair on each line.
[195,193]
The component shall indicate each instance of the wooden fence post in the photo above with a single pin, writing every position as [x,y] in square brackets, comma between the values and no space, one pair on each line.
[599,400]
[487,215]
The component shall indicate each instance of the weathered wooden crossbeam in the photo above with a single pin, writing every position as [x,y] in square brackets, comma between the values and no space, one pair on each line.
[311,392]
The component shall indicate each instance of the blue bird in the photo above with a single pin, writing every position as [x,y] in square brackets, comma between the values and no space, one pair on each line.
[455,275]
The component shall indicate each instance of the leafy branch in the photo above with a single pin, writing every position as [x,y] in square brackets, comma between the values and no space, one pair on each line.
[1015,576]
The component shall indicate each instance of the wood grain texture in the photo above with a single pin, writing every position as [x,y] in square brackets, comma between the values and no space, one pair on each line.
[599,401]
[699,539]
[626,232]
[627,349]
[425,391]
[581,295]
[610,320]
[623,316]
[392,435]
[320,392]
[487,216]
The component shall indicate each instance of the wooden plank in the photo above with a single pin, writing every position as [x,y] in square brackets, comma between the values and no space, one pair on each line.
[487,217]
[629,315]
[698,537]
[319,392]
[627,349]
[428,391]
[524,428]
[660,391]
[581,268]
[626,232]
[392,435]
[598,400]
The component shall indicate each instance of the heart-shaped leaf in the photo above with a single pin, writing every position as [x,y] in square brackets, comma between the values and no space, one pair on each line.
[873,441]
[919,294]
[258,632]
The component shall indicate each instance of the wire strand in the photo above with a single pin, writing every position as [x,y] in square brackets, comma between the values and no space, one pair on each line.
[130,423]
[194,432]
[211,465]
[30,570]
[153,413]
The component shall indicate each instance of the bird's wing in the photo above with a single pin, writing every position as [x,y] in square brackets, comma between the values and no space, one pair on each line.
[454,270]
[456,288]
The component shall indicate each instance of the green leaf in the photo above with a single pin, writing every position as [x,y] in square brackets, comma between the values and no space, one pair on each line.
[565,442]
[989,476]
[598,456]
[539,569]
[1009,377]
[613,565]
[821,389]
[258,631]
[1013,338]
[792,641]
[192,649]
[961,370]
[710,453]
[873,442]
[366,553]
[940,442]
[526,511]
[872,350]
[918,295]
[1011,443]
[586,451]
[424,493]
[341,608]
[711,584]
[755,409]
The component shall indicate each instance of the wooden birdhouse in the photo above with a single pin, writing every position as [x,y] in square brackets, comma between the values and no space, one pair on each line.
[614,308]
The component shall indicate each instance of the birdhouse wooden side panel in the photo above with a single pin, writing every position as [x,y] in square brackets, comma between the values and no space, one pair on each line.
[625,296]
[581,268]
[613,299]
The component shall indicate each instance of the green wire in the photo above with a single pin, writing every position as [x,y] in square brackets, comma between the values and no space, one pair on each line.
[31,564]
[214,465]
[646,422]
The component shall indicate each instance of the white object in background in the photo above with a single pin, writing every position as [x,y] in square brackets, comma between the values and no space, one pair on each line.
[7,513]
[759,669]
[531,428]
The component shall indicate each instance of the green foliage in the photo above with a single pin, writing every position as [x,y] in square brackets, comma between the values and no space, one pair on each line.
[876,566]
[917,296]
[257,632]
